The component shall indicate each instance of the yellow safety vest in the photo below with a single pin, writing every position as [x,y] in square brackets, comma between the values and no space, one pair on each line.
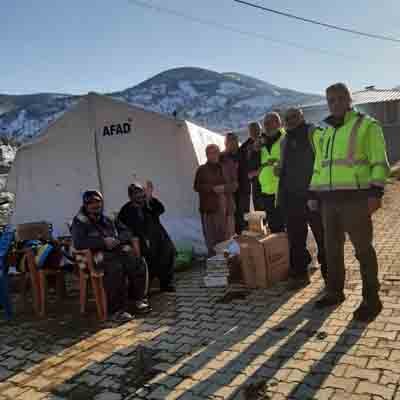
[350,157]
[268,179]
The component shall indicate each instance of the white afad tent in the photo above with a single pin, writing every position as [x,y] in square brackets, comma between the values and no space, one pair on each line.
[105,144]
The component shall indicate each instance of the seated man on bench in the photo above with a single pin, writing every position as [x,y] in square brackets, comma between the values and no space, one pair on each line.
[111,246]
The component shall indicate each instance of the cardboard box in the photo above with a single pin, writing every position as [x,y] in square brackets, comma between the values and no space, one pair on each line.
[264,259]
[217,272]
[33,231]
[235,270]
[276,247]
[253,262]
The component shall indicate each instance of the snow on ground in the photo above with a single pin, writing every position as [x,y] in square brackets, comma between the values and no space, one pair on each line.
[7,153]
[3,182]
[18,122]
[217,101]
[258,101]
[119,98]
[201,110]
[26,123]
[169,104]
[143,97]
[188,89]
[160,89]
[229,88]
[203,82]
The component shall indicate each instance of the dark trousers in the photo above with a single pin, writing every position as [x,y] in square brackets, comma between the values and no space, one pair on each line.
[161,265]
[242,208]
[257,195]
[240,205]
[298,218]
[274,215]
[117,267]
[350,215]
[258,201]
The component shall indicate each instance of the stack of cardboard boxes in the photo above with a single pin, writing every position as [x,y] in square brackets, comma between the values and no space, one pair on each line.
[261,259]
[217,271]
[264,258]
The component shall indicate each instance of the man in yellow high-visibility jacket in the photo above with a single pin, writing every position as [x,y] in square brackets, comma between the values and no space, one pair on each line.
[268,177]
[349,177]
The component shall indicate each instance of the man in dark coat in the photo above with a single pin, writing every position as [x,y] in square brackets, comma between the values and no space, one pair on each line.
[111,246]
[216,182]
[297,164]
[249,165]
[142,217]
[231,156]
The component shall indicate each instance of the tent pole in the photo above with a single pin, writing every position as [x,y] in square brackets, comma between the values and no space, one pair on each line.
[92,115]
[96,146]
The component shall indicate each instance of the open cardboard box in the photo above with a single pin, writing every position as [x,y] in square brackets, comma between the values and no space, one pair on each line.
[264,259]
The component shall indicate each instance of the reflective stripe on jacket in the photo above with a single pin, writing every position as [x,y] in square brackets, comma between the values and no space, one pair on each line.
[351,156]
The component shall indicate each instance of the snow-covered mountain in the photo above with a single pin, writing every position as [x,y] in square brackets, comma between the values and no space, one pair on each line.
[219,101]
[24,116]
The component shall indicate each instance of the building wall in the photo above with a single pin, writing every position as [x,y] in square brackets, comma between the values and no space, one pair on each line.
[388,114]
[392,137]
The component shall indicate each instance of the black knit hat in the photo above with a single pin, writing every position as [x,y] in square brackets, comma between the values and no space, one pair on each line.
[91,195]
[134,187]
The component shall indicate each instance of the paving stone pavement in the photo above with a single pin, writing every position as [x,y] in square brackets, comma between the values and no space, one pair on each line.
[265,344]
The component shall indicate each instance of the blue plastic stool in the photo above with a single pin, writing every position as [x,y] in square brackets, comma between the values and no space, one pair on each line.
[6,241]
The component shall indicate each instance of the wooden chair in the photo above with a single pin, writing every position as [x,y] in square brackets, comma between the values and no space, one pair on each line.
[38,277]
[85,263]
[84,260]
[87,272]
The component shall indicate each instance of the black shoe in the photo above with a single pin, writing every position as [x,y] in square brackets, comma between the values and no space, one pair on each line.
[121,317]
[297,283]
[168,289]
[367,312]
[142,307]
[329,301]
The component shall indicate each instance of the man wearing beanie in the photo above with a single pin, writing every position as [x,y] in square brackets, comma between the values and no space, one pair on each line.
[112,252]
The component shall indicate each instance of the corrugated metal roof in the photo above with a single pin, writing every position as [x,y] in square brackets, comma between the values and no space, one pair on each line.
[375,96]
[367,96]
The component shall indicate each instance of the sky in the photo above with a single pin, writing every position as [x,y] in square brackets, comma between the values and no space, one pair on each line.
[78,46]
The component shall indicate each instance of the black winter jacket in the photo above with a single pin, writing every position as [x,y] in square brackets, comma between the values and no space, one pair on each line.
[145,224]
[297,164]
[87,234]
